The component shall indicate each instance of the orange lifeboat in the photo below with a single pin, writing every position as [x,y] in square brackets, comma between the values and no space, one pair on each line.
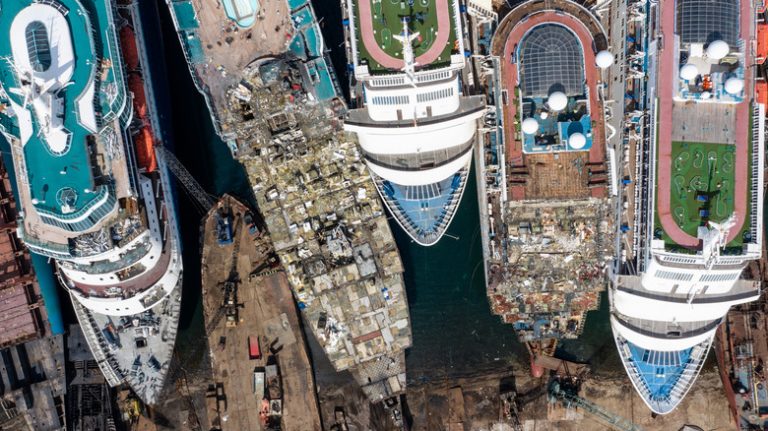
[144,142]
[130,52]
[145,149]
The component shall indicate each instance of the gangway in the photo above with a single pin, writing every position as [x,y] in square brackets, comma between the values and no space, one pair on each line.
[204,199]
[570,399]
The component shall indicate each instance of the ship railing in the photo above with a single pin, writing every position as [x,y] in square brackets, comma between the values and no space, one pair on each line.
[756,189]
[48,249]
[104,197]
[118,106]
[56,5]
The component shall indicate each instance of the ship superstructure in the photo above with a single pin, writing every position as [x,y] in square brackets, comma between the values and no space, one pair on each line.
[106,221]
[278,107]
[414,124]
[699,201]
[545,178]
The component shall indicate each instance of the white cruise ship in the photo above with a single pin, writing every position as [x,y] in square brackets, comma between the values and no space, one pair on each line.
[415,127]
[89,198]
[699,196]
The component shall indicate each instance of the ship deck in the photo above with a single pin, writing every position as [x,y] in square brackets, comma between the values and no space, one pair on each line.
[687,195]
[139,348]
[380,21]
[268,313]
[535,173]
[61,174]
[219,49]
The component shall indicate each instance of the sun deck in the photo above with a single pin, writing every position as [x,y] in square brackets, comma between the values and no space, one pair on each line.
[550,80]
[379,23]
[705,170]
[79,88]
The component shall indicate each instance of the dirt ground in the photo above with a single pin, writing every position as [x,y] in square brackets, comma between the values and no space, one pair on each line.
[705,406]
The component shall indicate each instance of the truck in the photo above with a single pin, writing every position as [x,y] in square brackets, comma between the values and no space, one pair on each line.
[274,385]
[258,382]
[254,350]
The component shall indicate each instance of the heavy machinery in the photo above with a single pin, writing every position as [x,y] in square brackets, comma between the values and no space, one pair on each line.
[565,389]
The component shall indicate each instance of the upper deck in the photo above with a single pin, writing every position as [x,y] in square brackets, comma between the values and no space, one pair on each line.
[377,34]
[61,86]
[707,172]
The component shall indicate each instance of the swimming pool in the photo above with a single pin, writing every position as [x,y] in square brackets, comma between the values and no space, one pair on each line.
[242,12]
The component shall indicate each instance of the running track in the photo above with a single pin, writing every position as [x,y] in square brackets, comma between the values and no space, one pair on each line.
[666,87]
[509,76]
[369,40]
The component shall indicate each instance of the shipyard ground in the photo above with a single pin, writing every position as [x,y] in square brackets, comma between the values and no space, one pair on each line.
[266,311]
[433,406]
[471,402]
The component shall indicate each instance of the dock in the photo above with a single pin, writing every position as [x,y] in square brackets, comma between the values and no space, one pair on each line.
[262,308]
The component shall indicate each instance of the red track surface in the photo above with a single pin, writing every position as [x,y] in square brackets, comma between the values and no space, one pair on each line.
[509,77]
[666,88]
[443,12]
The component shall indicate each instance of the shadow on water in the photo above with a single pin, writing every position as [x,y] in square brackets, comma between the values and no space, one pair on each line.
[454,332]
[208,159]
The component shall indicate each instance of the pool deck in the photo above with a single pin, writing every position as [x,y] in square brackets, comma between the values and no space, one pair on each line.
[48,173]
[515,155]
[366,30]
[227,49]
[666,125]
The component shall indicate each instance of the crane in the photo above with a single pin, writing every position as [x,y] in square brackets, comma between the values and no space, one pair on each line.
[564,390]
[204,200]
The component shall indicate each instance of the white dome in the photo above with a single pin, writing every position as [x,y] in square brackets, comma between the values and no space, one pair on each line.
[530,126]
[544,115]
[734,85]
[604,59]
[557,101]
[577,141]
[689,71]
[717,49]
[706,95]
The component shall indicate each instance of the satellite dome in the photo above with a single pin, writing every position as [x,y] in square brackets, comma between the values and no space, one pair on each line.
[689,71]
[544,115]
[530,126]
[717,49]
[706,95]
[604,59]
[734,85]
[577,141]
[557,101]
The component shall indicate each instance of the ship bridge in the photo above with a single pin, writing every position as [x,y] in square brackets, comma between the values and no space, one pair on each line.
[61,87]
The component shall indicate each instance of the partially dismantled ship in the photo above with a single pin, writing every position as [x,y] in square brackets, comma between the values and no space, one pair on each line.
[277,105]
[547,215]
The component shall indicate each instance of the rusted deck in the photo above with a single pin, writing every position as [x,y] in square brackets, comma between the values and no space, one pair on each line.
[269,313]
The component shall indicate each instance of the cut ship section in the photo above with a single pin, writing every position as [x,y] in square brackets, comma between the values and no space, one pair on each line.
[549,224]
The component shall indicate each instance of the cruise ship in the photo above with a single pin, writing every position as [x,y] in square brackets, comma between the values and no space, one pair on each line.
[546,183]
[415,126]
[698,200]
[93,195]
